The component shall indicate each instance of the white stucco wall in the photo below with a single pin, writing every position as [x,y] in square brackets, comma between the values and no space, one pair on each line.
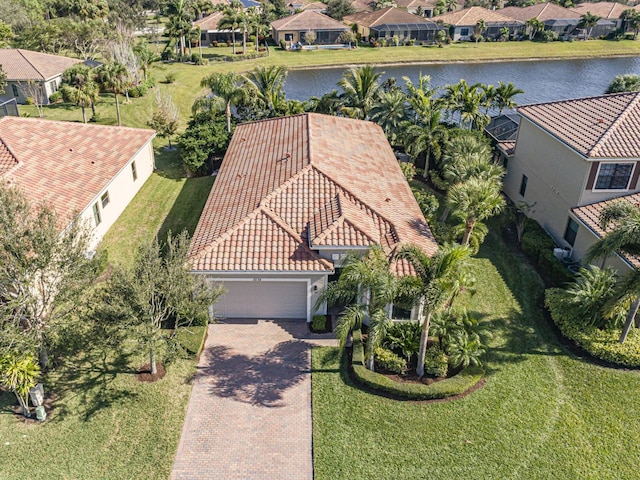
[122,189]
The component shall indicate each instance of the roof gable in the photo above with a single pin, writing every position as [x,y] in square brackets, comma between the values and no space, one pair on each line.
[471,16]
[607,126]
[21,64]
[389,15]
[210,22]
[608,10]
[541,11]
[308,20]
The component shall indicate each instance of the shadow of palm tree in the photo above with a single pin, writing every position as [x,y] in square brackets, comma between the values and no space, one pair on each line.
[261,380]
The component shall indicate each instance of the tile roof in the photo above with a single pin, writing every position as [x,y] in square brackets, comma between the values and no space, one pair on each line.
[66,164]
[590,216]
[319,6]
[386,16]
[541,11]
[415,3]
[607,126]
[210,22]
[300,181]
[21,64]
[470,16]
[8,161]
[363,5]
[308,20]
[608,10]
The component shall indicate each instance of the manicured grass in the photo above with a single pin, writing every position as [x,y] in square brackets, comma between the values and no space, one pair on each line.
[105,424]
[542,413]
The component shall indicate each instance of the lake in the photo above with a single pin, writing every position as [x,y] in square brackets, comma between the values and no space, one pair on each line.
[541,81]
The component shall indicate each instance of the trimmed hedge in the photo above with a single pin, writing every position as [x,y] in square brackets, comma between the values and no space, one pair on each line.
[538,246]
[450,387]
[192,338]
[601,344]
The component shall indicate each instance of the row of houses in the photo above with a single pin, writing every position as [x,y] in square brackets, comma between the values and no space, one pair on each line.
[403,23]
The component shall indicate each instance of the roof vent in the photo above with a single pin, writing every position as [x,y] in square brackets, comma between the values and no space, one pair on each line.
[387,199]
[285,157]
[71,149]
[93,162]
[601,120]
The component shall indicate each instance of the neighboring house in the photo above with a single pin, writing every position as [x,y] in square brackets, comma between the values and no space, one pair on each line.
[292,29]
[428,7]
[42,69]
[463,23]
[571,154]
[611,11]
[561,20]
[306,5]
[210,32]
[363,6]
[294,196]
[390,22]
[75,168]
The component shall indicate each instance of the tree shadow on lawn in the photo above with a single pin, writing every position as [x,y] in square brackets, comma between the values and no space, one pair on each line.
[261,380]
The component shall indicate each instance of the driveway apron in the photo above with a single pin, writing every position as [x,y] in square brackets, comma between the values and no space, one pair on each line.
[249,415]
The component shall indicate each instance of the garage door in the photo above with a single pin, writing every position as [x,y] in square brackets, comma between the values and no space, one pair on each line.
[263,299]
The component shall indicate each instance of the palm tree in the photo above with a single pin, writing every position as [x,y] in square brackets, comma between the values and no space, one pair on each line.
[624,83]
[268,85]
[436,275]
[180,15]
[228,87]
[420,97]
[489,94]
[479,29]
[427,136]
[390,112]
[451,5]
[504,96]
[466,100]
[588,21]
[624,237]
[475,200]
[367,286]
[359,91]
[534,26]
[231,20]
[114,76]
[631,20]
[84,95]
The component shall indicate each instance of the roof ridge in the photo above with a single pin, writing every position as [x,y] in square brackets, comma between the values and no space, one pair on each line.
[10,118]
[29,62]
[608,132]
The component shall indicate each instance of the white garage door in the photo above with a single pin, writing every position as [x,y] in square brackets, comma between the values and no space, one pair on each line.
[263,299]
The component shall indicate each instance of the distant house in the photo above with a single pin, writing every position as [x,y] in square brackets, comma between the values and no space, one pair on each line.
[306,5]
[569,157]
[390,22]
[609,11]
[43,70]
[293,29]
[75,168]
[463,23]
[561,20]
[427,7]
[210,32]
[294,196]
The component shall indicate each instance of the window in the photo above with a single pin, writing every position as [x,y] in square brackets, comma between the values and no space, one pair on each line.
[96,214]
[400,313]
[464,32]
[614,176]
[15,91]
[134,172]
[288,37]
[523,185]
[53,86]
[105,199]
[571,232]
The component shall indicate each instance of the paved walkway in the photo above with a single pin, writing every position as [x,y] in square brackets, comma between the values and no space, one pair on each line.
[249,415]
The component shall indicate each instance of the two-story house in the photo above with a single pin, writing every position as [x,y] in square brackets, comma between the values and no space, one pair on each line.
[569,157]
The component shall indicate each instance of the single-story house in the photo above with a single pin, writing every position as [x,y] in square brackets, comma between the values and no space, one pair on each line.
[42,69]
[363,5]
[210,32]
[572,154]
[424,8]
[561,20]
[463,23]
[292,29]
[304,5]
[75,168]
[390,22]
[293,197]
[605,10]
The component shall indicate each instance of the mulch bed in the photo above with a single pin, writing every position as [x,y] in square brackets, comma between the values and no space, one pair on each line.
[49,407]
[144,373]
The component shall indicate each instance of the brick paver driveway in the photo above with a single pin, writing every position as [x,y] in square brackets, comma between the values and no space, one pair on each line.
[249,416]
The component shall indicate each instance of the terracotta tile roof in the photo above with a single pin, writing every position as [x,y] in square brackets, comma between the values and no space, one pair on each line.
[363,5]
[415,3]
[386,16]
[470,16]
[590,216]
[319,6]
[308,20]
[210,22]
[21,64]
[8,161]
[305,180]
[607,126]
[541,11]
[608,10]
[66,164]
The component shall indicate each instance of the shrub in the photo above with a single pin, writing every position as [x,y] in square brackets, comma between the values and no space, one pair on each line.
[318,323]
[538,246]
[602,344]
[138,91]
[29,101]
[214,43]
[436,362]
[55,97]
[170,77]
[283,44]
[404,337]
[167,55]
[548,36]
[389,361]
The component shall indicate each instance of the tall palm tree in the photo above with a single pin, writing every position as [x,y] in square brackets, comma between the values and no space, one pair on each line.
[479,29]
[83,95]
[114,76]
[180,14]
[475,200]
[420,96]
[437,277]
[489,94]
[588,21]
[359,91]
[471,114]
[624,237]
[534,26]
[428,135]
[231,19]
[504,96]
[631,20]
[229,88]
[390,112]
[268,85]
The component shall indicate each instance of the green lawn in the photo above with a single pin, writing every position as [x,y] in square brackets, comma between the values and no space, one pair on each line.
[542,413]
